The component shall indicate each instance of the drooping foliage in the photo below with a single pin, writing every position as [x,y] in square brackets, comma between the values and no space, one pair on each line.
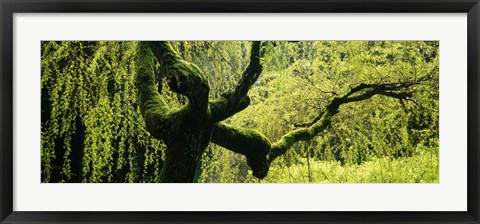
[93,129]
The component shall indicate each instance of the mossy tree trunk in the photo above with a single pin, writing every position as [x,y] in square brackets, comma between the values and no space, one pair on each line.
[187,131]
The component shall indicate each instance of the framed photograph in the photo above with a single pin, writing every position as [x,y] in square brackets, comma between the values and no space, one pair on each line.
[239,111]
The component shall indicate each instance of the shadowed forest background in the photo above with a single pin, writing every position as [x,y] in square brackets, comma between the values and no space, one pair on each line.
[384,130]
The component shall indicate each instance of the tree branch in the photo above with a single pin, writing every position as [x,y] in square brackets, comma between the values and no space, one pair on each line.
[308,124]
[182,77]
[153,108]
[260,152]
[234,102]
[250,143]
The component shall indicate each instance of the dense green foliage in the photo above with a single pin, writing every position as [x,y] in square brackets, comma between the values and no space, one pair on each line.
[93,131]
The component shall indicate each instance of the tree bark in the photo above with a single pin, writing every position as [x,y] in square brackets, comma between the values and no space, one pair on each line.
[185,131]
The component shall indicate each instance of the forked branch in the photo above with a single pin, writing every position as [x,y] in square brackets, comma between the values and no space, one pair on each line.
[237,100]
[259,150]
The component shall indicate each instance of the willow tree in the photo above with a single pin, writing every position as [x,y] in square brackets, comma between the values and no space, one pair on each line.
[188,130]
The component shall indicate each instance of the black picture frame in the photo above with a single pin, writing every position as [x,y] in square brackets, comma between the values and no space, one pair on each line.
[9,7]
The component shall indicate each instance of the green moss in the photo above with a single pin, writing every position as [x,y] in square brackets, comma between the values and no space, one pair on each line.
[186,131]
[226,107]
[153,108]
[254,145]
[302,134]
[182,77]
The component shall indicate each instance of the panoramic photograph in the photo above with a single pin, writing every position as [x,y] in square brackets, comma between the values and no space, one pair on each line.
[240,111]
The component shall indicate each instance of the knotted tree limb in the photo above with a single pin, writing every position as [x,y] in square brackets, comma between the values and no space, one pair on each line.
[237,100]
[186,131]
[154,110]
[261,152]
[183,77]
